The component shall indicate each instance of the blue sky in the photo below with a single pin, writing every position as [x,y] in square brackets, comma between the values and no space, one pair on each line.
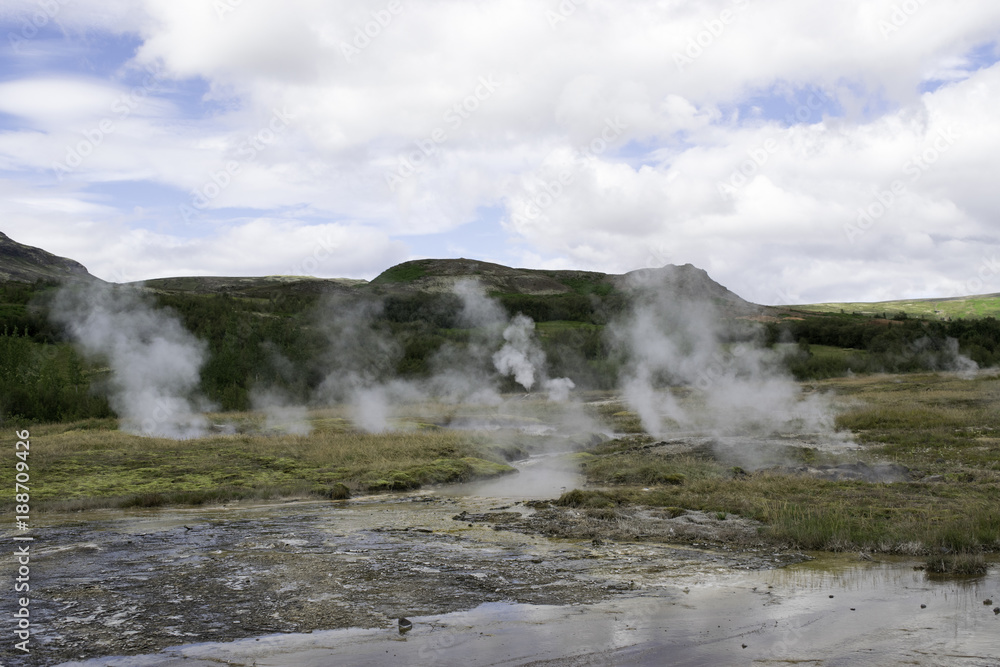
[280,139]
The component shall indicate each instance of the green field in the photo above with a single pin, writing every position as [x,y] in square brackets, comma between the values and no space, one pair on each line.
[986,305]
[944,429]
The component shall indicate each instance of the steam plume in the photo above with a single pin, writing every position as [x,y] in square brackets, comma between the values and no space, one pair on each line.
[155,362]
[738,388]
[280,412]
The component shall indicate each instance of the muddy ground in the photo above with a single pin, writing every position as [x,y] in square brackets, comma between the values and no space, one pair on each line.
[123,583]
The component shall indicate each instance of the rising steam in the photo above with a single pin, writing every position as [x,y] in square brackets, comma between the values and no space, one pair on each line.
[360,365]
[677,345]
[155,362]
[281,413]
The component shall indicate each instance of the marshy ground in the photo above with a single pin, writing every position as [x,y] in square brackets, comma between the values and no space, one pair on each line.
[145,544]
[914,468]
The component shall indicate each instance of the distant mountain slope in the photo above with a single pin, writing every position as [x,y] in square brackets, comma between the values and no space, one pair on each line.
[22,263]
[263,287]
[440,275]
[982,305]
[691,283]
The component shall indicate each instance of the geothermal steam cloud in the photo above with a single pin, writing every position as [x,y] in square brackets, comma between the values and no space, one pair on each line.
[742,388]
[155,363]
[363,355]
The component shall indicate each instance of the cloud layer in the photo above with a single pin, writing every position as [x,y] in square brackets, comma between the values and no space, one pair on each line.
[797,150]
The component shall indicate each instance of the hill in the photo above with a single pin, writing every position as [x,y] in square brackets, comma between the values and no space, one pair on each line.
[22,263]
[967,307]
[280,331]
[440,275]
[264,287]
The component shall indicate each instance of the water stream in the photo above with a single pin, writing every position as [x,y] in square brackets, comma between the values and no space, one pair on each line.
[317,583]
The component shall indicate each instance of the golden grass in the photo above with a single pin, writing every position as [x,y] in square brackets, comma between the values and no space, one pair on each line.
[88,461]
[946,429]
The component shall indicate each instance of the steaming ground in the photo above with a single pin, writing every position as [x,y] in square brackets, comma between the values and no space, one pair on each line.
[687,370]
[154,361]
[362,354]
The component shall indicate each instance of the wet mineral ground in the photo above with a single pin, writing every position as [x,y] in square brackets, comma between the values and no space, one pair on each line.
[121,583]
[483,580]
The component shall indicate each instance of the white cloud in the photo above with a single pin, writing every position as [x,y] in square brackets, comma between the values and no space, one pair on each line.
[673,77]
[51,101]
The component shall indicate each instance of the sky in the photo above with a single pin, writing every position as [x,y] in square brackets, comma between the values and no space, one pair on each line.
[797,150]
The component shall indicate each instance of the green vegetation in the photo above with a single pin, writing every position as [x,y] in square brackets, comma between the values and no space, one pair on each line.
[876,345]
[586,283]
[962,563]
[403,273]
[945,429]
[270,332]
[90,464]
[967,307]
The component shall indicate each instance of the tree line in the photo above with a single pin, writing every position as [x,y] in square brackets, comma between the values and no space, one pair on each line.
[277,340]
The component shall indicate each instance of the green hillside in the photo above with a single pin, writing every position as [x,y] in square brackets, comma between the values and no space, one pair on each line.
[984,305]
[281,331]
[22,263]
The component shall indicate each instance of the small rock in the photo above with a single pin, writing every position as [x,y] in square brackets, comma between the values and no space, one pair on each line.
[405,625]
[852,608]
[744,645]
[923,606]
[987,602]
[831,596]
[996,610]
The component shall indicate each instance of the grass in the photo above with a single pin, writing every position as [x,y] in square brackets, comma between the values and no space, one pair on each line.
[944,428]
[963,563]
[88,464]
[590,284]
[406,272]
[987,305]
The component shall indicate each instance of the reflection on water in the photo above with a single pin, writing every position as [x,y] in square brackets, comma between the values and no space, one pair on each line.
[827,612]
[540,477]
[834,610]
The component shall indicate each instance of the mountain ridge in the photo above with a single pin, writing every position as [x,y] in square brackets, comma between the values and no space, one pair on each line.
[22,263]
[28,264]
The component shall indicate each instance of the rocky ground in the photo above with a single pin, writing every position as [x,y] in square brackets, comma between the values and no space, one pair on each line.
[129,583]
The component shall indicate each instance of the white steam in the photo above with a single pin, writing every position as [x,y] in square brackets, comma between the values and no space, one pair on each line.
[521,356]
[679,346]
[360,368]
[281,414]
[155,362]
[361,361]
